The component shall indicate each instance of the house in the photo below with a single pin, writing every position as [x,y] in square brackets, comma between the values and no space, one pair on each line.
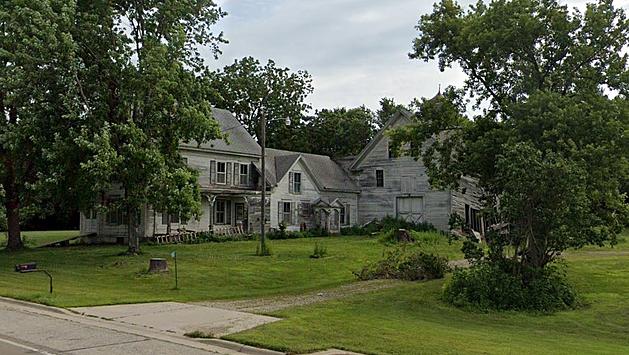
[310,190]
[304,190]
[399,187]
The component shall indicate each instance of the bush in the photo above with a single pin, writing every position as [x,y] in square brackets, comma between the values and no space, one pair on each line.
[487,286]
[209,237]
[403,265]
[281,234]
[385,225]
[319,252]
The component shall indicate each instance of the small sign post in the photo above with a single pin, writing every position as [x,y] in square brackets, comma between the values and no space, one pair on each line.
[174,255]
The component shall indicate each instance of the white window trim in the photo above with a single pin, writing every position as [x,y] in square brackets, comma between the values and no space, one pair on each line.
[289,213]
[240,174]
[301,184]
[224,173]
[224,212]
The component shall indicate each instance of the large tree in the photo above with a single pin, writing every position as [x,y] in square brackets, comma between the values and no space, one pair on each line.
[249,90]
[339,132]
[140,84]
[37,102]
[550,149]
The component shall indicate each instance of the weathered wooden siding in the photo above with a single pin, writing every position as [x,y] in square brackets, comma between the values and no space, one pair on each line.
[281,193]
[347,199]
[200,161]
[468,193]
[403,177]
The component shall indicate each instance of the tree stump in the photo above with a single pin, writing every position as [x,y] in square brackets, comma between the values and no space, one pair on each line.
[403,236]
[158,265]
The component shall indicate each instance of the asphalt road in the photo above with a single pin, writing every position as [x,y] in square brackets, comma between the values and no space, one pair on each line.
[33,329]
[8,347]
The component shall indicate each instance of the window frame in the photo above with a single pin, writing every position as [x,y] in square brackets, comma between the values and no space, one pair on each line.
[380,181]
[222,212]
[297,184]
[245,175]
[288,213]
[223,173]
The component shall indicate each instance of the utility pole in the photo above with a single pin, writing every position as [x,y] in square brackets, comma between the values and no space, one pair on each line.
[263,200]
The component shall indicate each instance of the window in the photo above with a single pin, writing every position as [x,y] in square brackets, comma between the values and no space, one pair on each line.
[297,183]
[221,212]
[473,218]
[174,218]
[185,161]
[390,151]
[221,172]
[115,216]
[379,178]
[287,214]
[345,219]
[244,174]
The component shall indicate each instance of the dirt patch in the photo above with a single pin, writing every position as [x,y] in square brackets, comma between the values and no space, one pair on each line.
[272,304]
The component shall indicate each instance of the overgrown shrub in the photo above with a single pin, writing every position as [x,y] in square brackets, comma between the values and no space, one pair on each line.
[487,286]
[209,237]
[320,251]
[282,234]
[387,224]
[402,264]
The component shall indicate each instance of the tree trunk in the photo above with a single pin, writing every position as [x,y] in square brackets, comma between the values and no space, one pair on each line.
[12,207]
[132,237]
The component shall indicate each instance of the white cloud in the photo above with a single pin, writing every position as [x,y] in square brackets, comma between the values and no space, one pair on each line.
[356,50]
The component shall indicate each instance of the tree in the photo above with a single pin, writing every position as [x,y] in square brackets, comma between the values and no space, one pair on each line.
[141,85]
[250,90]
[339,132]
[388,108]
[550,150]
[37,102]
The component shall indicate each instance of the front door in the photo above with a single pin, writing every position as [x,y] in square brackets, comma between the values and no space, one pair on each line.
[410,209]
[241,215]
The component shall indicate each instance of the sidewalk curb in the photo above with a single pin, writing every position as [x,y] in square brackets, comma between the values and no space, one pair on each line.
[220,347]
[246,349]
[39,306]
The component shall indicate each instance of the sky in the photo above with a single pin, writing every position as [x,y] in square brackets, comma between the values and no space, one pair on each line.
[355,50]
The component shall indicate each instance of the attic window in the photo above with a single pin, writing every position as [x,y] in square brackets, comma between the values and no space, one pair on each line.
[379,178]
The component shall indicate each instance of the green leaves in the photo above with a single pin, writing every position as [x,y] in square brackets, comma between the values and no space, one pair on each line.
[250,89]
[550,150]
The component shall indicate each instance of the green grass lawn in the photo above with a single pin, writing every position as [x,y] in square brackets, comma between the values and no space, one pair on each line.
[97,275]
[34,239]
[411,319]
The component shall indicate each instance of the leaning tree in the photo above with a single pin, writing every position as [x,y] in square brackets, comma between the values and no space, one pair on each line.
[549,146]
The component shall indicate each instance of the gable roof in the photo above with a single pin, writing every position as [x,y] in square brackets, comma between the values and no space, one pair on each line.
[402,113]
[239,141]
[328,175]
